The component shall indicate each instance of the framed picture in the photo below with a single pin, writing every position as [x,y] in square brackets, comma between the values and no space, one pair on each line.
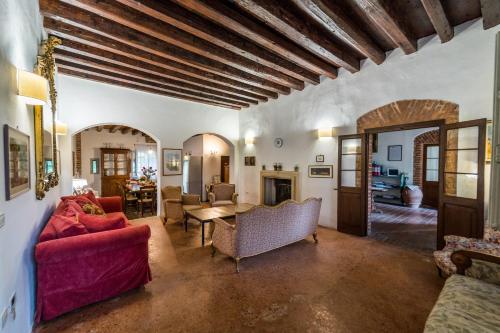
[320,158]
[395,153]
[94,166]
[321,171]
[489,140]
[249,160]
[172,161]
[17,162]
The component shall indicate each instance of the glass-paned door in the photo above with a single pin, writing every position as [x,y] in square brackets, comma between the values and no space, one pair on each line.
[430,183]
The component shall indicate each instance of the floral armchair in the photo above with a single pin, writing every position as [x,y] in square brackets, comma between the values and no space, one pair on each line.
[489,245]
[175,203]
[222,195]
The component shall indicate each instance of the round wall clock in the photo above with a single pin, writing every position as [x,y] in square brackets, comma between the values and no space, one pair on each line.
[278,142]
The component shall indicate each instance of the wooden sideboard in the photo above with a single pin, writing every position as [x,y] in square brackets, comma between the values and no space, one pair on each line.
[116,166]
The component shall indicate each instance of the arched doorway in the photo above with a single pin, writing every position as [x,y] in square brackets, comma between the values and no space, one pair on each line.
[117,160]
[208,158]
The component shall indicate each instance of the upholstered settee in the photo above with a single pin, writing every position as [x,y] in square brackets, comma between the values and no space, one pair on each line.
[490,244]
[96,264]
[264,228]
[467,304]
[222,195]
[175,204]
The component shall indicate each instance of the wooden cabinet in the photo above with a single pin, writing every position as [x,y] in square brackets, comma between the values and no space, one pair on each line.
[116,168]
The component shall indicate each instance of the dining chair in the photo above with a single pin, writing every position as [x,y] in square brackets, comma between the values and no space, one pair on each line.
[147,199]
[128,198]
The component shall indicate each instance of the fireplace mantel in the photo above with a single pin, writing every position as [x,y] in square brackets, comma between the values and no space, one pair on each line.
[292,175]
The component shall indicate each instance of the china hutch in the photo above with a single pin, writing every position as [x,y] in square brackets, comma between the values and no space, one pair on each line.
[116,167]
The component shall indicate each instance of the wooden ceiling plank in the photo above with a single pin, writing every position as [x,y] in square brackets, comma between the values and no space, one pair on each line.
[233,20]
[125,129]
[113,128]
[332,17]
[104,27]
[104,65]
[98,128]
[277,15]
[134,131]
[81,50]
[183,19]
[384,17]
[168,33]
[437,15]
[71,33]
[491,13]
[143,83]
[97,78]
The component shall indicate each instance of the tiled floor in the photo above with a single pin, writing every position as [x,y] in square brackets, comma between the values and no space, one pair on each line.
[342,284]
[405,227]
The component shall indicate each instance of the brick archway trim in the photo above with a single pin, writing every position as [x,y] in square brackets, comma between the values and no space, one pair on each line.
[427,138]
[408,112]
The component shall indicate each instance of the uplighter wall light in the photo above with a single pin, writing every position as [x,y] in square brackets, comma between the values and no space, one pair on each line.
[61,128]
[325,132]
[249,140]
[32,88]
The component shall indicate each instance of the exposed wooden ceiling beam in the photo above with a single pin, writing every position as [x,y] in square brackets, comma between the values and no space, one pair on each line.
[436,14]
[153,78]
[113,128]
[211,32]
[125,129]
[76,49]
[231,19]
[76,38]
[491,13]
[98,78]
[151,26]
[104,27]
[384,17]
[332,17]
[277,15]
[143,83]
[98,128]
[134,131]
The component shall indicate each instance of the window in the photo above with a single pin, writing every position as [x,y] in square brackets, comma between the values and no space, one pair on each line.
[144,156]
[432,164]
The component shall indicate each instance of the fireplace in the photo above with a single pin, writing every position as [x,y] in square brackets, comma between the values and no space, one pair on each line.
[278,186]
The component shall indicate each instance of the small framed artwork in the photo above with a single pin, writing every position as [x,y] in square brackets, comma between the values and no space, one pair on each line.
[17,162]
[172,161]
[395,153]
[320,158]
[249,160]
[321,171]
[94,166]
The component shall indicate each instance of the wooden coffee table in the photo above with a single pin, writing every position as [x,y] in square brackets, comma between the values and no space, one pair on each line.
[206,215]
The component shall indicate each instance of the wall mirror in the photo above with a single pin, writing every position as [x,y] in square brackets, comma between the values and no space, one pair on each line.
[46,156]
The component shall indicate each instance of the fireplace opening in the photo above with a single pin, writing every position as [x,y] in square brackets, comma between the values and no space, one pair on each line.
[277,190]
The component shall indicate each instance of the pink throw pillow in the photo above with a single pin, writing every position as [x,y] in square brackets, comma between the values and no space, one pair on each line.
[67,226]
[96,223]
[71,208]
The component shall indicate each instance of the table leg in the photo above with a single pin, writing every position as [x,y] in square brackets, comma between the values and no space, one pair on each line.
[185,223]
[202,234]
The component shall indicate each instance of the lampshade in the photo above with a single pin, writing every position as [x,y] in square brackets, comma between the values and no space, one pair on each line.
[325,132]
[31,87]
[61,128]
[249,140]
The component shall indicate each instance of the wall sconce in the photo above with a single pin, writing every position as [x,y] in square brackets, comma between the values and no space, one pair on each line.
[213,152]
[61,128]
[187,156]
[325,132]
[249,140]
[32,88]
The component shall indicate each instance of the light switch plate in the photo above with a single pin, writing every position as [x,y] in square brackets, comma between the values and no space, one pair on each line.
[2,220]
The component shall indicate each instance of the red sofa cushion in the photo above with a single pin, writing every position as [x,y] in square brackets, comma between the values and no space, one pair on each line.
[71,208]
[67,226]
[81,198]
[96,223]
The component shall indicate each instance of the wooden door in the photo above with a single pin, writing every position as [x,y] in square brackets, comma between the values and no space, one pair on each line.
[224,169]
[461,193]
[352,196]
[430,176]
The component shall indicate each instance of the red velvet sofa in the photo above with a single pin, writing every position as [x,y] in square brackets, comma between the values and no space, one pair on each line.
[80,270]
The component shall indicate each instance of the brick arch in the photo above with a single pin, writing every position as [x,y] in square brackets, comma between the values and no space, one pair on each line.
[430,137]
[408,112]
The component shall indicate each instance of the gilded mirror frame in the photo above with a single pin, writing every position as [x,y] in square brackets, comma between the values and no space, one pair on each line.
[46,68]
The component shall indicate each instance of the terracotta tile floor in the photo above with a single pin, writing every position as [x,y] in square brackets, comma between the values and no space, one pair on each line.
[342,284]
[405,227]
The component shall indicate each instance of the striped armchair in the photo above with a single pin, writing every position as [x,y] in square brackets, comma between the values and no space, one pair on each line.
[264,228]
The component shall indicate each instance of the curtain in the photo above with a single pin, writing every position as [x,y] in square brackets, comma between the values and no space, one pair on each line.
[144,156]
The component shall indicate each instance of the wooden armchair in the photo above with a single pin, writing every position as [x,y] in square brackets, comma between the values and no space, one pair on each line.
[176,204]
